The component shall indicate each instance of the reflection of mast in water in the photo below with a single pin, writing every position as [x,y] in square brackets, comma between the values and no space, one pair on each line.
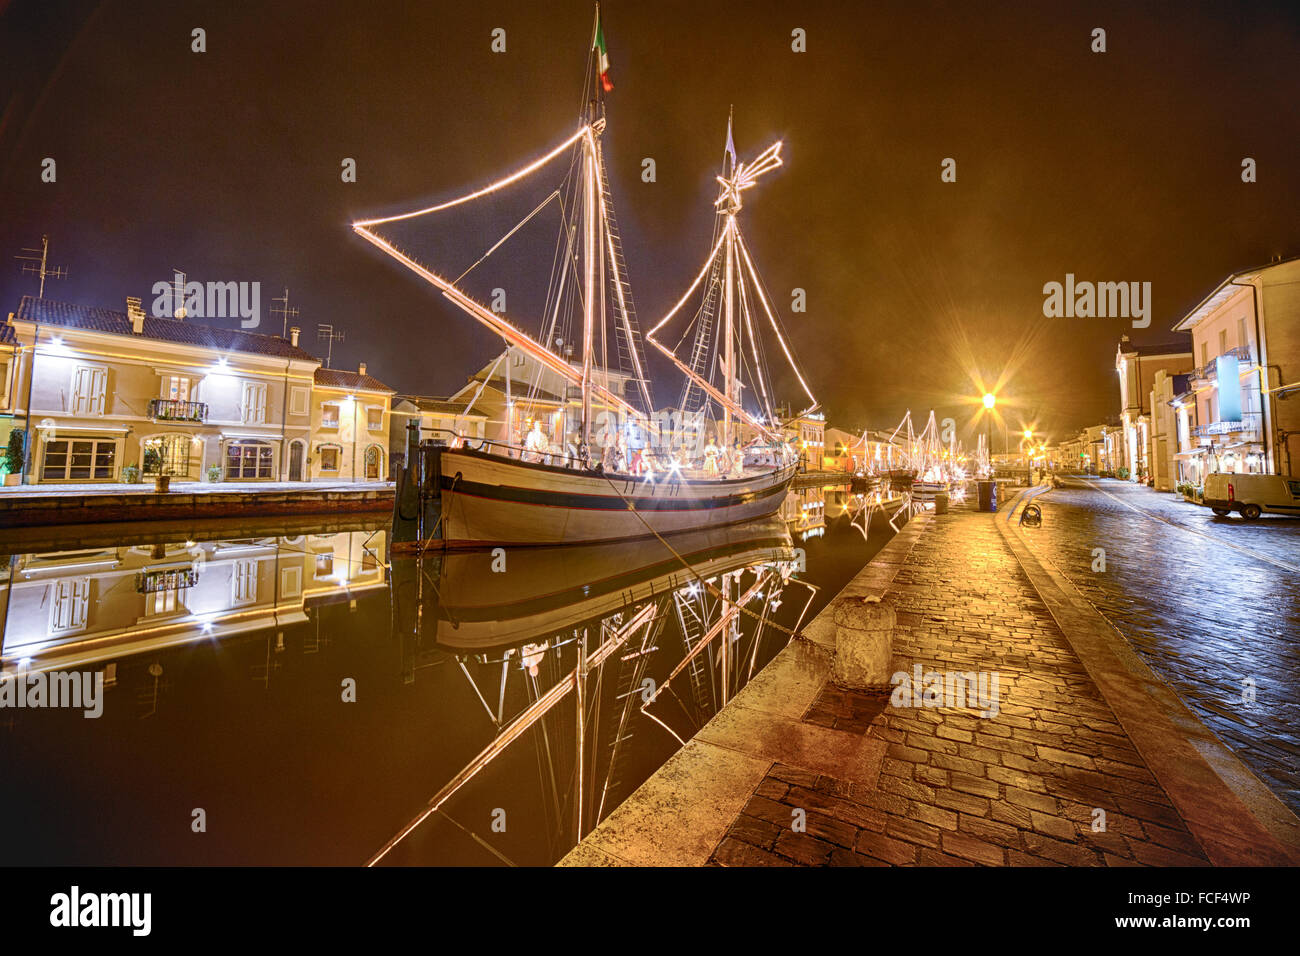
[590,622]
[147,697]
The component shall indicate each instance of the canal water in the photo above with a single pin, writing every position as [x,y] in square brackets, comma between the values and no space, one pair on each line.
[280,693]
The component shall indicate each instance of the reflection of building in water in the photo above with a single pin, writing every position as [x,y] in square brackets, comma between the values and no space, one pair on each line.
[804,510]
[72,608]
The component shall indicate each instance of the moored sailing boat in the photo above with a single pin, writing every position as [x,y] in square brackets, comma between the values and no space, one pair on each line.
[616,471]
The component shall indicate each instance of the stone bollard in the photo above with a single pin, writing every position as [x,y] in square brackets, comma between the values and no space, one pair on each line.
[864,643]
[941,503]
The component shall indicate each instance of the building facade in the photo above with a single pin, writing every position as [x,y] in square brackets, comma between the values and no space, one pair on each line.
[103,394]
[1137,366]
[1245,387]
[437,418]
[349,426]
[841,450]
[807,434]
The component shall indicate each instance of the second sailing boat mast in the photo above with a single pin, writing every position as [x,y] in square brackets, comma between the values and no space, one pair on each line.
[591,229]
[728,318]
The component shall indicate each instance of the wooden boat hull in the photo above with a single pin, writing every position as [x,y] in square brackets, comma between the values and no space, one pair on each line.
[489,500]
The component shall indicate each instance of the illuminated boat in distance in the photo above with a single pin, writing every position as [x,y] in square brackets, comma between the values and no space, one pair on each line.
[901,479]
[923,492]
[553,589]
[613,468]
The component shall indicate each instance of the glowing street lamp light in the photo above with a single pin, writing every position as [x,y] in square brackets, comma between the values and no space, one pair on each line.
[989,400]
[1027,446]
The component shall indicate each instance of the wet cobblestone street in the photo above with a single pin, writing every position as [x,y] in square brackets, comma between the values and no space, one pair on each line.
[1211,604]
[1023,787]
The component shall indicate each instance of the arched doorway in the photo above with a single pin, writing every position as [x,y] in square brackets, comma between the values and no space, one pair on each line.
[374,463]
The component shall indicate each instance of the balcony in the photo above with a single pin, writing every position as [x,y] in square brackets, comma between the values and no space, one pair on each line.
[166,579]
[1250,422]
[175,410]
[1210,371]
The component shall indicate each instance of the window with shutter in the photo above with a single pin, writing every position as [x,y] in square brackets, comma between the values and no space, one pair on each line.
[70,607]
[244,582]
[89,384]
[254,404]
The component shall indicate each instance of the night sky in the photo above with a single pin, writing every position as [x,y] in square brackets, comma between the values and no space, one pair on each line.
[1122,166]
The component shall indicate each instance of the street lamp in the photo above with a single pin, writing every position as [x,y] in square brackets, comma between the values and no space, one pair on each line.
[989,401]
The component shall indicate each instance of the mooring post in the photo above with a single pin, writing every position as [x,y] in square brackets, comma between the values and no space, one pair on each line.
[407,512]
[864,643]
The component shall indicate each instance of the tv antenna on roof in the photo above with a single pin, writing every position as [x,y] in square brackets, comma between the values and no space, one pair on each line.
[327,333]
[42,269]
[179,311]
[284,312]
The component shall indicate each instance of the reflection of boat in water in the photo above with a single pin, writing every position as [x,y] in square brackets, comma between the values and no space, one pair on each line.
[488,598]
[601,624]
[863,484]
[900,479]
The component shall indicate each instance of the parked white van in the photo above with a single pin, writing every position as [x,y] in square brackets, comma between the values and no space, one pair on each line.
[1252,495]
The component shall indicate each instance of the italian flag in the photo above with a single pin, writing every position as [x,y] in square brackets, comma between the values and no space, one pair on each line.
[602,57]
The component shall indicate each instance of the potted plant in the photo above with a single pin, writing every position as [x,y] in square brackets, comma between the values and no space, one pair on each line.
[14,458]
[214,473]
[131,473]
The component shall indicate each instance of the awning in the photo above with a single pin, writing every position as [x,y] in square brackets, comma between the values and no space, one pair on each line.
[256,436]
[1194,453]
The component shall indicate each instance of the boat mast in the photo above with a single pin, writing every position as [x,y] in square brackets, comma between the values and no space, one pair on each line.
[594,120]
[728,298]
[589,228]
[728,350]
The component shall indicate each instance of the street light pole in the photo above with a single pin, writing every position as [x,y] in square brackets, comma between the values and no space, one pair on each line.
[989,401]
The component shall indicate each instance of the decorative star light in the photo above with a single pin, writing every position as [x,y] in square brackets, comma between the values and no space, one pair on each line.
[745,176]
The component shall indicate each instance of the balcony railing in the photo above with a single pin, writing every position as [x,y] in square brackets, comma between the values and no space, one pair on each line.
[175,410]
[166,579]
[1210,371]
[1250,422]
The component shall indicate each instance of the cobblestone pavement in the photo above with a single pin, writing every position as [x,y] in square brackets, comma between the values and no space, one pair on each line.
[1197,597]
[1022,787]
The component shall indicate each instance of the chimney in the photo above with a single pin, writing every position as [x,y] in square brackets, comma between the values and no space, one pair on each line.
[136,314]
[361,369]
[293,335]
